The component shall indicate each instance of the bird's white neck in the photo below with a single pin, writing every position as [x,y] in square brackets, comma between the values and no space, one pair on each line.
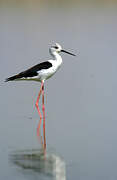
[57,57]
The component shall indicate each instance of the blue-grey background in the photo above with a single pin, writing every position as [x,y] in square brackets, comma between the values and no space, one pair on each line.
[81,97]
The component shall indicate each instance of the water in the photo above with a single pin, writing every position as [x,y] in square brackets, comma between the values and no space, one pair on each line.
[80,98]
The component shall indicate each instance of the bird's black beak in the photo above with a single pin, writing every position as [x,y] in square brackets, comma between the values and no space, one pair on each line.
[67,52]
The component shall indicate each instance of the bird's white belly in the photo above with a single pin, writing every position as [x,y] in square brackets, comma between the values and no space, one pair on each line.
[47,73]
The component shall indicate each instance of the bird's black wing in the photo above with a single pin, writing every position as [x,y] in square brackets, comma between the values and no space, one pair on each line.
[31,72]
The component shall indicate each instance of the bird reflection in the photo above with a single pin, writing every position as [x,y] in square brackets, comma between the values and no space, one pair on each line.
[42,139]
[41,161]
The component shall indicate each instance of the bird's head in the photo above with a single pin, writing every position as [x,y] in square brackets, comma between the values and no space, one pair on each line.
[57,48]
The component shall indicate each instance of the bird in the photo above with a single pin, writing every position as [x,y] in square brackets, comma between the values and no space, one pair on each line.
[42,72]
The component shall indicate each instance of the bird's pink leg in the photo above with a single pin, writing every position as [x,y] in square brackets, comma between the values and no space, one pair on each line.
[43,109]
[37,106]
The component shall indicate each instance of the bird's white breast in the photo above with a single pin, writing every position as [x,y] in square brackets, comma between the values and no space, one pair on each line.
[47,73]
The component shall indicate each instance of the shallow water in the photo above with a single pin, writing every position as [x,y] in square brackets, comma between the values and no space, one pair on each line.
[80,98]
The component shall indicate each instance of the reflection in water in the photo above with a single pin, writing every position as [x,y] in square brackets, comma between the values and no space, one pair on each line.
[42,139]
[40,161]
[34,160]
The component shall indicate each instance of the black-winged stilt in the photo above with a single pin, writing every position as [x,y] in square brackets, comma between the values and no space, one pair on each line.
[41,72]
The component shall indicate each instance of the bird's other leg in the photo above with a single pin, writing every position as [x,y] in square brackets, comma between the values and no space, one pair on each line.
[37,106]
[43,109]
